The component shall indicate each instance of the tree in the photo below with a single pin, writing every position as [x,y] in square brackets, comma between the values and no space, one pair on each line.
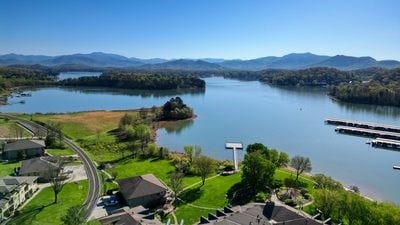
[300,164]
[56,130]
[189,151]
[255,147]
[76,215]
[143,133]
[325,182]
[175,182]
[258,172]
[283,159]
[56,178]
[204,166]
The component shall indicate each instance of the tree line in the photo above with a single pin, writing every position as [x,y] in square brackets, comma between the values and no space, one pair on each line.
[382,89]
[137,80]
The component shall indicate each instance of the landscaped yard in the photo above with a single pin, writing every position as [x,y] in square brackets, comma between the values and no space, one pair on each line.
[42,211]
[159,167]
[7,168]
[211,195]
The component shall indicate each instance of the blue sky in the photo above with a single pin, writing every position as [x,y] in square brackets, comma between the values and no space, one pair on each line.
[206,28]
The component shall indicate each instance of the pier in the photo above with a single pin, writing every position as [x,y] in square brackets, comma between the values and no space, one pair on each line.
[365,125]
[386,143]
[368,132]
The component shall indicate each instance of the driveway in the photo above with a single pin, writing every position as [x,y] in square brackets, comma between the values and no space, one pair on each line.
[78,173]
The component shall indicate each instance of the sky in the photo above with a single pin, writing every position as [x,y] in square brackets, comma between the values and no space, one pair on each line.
[201,28]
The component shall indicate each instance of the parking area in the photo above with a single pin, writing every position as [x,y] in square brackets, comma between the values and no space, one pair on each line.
[76,172]
[105,205]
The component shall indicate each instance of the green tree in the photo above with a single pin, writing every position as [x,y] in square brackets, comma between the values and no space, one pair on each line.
[204,166]
[283,159]
[76,215]
[143,133]
[175,182]
[300,164]
[258,172]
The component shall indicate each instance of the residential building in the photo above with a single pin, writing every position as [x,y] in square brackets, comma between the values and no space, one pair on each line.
[14,191]
[39,166]
[130,216]
[23,149]
[268,213]
[145,190]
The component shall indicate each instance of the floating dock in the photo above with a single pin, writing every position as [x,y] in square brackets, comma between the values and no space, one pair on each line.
[368,132]
[386,143]
[365,125]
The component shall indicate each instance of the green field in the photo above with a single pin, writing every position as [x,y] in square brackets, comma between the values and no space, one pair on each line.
[42,211]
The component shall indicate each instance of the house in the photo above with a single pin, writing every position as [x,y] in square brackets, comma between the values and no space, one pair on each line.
[145,190]
[39,166]
[130,216]
[258,213]
[14,191]
[23,149]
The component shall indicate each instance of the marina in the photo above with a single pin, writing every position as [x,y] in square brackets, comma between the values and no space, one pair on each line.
[365,125]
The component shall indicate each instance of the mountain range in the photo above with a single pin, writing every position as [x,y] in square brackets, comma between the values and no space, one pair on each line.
[290,62]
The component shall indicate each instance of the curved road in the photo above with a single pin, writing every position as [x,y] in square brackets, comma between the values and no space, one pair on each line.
[90,167]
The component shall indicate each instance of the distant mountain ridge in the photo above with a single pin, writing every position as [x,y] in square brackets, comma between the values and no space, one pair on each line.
[291,61]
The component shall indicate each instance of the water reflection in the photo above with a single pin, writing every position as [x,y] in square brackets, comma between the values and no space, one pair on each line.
[363,108]
[177,127]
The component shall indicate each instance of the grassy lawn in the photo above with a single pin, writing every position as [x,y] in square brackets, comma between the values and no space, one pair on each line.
[82,124]
[42,211]
[7,129]
[160,168]
[7,168]
[211,195]
[282,173]
[60,152]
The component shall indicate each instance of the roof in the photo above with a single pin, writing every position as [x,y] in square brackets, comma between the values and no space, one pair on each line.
[266,214]
[127,216]
[24,144]
[9,183]
[39,164]
[140,186]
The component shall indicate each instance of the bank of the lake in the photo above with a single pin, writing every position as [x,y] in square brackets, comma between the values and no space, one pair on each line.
[288,119]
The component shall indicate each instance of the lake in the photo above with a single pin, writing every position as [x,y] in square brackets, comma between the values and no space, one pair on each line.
[288,119]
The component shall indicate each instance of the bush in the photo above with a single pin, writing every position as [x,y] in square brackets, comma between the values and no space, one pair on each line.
[289,182]
[290,202]
[262,197]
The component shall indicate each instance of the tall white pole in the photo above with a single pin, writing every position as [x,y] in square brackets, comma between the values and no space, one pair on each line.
[235,160]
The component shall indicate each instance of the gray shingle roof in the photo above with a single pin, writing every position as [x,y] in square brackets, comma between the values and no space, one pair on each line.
[264,214]
[38,164]
[24,144]
[140,186]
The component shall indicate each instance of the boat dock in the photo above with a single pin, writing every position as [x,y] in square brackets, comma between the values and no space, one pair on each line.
[365,125]
[386,143]
[368,132]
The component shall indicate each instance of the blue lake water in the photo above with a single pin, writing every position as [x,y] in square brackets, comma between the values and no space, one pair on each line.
[288,119]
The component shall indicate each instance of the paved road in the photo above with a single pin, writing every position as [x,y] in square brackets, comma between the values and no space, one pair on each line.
[90,167]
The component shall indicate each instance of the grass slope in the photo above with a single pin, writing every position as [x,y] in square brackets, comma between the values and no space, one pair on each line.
[42,211]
